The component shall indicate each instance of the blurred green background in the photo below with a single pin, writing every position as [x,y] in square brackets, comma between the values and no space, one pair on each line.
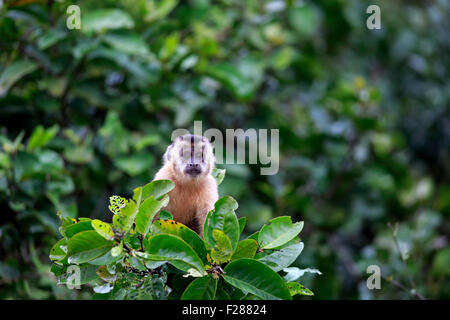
[363,115]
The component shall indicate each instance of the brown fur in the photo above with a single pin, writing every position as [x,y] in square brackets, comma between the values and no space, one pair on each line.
[192,198]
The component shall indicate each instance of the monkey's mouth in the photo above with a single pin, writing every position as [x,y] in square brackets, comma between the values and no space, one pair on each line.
[193,172]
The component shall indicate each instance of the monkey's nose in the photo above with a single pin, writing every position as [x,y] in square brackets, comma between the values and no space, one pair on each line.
[193,169]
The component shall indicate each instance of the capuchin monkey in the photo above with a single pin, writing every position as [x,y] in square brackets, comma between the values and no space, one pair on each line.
[188,163]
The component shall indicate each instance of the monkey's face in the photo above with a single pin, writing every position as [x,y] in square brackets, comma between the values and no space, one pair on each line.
[192,156]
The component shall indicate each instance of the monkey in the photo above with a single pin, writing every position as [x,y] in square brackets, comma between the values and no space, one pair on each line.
[188,163]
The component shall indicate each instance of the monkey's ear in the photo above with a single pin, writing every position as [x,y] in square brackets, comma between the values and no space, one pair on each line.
[167,155]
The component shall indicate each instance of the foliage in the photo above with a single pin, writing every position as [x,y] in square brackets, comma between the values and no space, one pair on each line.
[137,258]
[363,118]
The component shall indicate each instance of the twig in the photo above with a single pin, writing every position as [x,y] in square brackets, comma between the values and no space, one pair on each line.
[142,244]
[403,258]
[403,287]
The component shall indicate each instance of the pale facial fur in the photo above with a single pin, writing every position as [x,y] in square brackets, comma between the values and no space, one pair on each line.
[192,156]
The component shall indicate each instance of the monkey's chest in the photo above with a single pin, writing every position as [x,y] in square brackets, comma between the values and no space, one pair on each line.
[183,205]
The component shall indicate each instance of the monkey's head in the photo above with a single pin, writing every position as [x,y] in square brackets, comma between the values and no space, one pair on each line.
[191,156]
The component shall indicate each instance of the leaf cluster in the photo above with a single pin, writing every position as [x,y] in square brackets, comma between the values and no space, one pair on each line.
[134,256]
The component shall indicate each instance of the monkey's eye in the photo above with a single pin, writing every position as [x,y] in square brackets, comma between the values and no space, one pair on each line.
[185,155]
[198,155]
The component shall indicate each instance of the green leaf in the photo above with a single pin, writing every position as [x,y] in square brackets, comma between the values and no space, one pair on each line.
[147,211]
[88,273]
[60,188]
[65,223]
[222,218]
[157,188]
[14,72]
[104,19]
[218,174]
[116,204]
[180,230]
[75,228]
[297,288]
[304,20]
[232,79]
[160,9]
[142,74]
[173,249]
[134,164]
[279,231]
[125,218]
[165,215]
[105,275]
[222,250]
[158,286]
[136,263]
[40,137]
[203,288]
[86,246]
[283,58]
[80,154]
[280,259]
[104,229]
[50,37]
[441,262]
[105,259]
[59,250]
[169,46]
[154,264]
[57,269]
[221,294]
[255,277]
[117,250]
[129,43]
[245,249]
[242,221]
[254,236]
